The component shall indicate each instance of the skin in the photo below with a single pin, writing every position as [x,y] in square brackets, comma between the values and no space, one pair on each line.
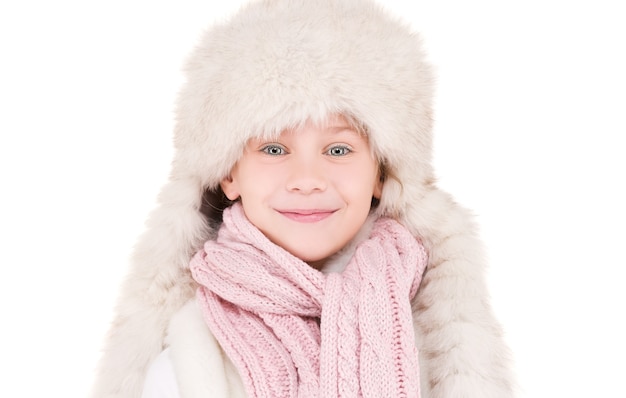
[310,190]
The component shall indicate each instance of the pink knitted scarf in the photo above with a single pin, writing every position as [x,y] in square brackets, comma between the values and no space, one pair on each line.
[293,331]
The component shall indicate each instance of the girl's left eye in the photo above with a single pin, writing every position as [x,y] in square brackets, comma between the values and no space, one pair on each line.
[338,150]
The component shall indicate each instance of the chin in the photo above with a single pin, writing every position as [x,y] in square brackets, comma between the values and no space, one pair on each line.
[316,261]
[310,259]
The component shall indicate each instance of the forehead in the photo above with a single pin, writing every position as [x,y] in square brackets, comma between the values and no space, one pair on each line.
[334,123]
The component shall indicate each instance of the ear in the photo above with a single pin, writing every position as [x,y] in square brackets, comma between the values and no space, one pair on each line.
[230,187]
[378,188]
[381,176]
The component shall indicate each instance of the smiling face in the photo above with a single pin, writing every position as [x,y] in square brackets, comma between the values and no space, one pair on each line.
[310,190]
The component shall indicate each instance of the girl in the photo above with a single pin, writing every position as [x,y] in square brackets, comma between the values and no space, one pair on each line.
[301,247]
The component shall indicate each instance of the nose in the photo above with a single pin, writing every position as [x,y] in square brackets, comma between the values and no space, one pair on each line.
[306,176]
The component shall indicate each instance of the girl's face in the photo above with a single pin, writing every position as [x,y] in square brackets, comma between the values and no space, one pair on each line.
[310,190]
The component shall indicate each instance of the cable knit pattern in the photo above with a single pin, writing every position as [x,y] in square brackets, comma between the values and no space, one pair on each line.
[293,331]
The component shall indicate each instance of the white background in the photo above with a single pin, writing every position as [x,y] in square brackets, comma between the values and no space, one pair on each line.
[531,118]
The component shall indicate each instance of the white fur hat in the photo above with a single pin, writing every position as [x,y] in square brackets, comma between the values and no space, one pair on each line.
[272,66]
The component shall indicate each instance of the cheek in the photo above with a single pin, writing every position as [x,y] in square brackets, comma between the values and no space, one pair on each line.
[360,182]
[258,180]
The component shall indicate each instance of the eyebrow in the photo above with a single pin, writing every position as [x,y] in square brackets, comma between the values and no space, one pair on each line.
[348,129]
[341,127]
[334,127]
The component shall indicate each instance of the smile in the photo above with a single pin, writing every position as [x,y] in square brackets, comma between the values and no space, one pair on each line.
[307,216]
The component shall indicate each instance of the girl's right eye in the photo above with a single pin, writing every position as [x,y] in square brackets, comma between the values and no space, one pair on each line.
[273,150]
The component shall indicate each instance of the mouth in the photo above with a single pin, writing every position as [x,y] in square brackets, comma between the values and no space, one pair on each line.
[307,215]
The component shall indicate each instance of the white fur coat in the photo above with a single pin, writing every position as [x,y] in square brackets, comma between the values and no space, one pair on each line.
[272,66]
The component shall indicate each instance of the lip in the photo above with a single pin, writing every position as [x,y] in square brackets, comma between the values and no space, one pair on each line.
[307,215]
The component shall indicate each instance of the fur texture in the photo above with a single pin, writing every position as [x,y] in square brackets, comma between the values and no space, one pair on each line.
[274,65]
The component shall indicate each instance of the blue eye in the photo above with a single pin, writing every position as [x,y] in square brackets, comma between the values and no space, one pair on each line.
[339,150]
[274,150]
